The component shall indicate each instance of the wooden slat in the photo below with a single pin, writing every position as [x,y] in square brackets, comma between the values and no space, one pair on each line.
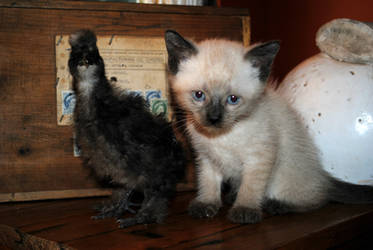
[25,214]
[246,31]
[59,194]
[293,231]
[127,7]
[348,229]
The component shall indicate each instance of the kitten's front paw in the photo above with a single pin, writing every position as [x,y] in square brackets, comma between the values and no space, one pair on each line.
[244,215]
[276,207]
[199,209]
[230,198]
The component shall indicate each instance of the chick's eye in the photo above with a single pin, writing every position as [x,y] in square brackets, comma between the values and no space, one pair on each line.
[233,99]
[199,96]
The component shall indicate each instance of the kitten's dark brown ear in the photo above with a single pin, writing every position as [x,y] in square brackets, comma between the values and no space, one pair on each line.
[178,50]
[262,57]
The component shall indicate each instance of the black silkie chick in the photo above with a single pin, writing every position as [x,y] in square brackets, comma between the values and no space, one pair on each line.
[121,140]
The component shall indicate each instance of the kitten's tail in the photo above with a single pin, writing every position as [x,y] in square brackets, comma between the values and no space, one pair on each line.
[349,193]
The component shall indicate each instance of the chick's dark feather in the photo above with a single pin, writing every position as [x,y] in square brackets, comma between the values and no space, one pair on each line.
[121,140]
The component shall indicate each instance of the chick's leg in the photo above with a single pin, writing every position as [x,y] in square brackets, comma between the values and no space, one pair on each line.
[153,210]
[120,203]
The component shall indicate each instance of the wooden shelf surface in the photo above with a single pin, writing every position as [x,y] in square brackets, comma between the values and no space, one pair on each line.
[68,223]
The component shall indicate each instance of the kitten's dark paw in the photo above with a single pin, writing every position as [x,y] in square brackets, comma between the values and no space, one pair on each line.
[199,209]
[244,215]
[230,198]
[276,207]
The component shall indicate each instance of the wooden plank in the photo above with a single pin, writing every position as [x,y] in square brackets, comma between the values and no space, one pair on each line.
[79,225]
[246,31]
[342,233]
[177,228]
[68,222]
[314,230]
[26,214]
[127,7]
[54,194]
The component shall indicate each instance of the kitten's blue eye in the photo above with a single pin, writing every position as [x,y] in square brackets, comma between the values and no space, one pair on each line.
[199,96]
[233,99]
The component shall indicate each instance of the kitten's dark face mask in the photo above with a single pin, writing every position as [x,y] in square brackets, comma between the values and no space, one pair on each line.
[215,113]
[211,119]
[212,111]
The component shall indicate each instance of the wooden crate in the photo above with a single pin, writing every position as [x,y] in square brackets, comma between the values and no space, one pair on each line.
[36,155]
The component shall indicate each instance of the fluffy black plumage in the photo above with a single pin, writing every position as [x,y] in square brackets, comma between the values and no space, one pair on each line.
[121,140]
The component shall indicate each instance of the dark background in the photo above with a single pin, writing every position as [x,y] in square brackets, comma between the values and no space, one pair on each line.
[295,23]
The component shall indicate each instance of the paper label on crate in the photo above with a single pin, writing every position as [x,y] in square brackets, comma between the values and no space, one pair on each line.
[132,63]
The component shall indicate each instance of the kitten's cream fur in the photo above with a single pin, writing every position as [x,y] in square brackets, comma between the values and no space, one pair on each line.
[259,145]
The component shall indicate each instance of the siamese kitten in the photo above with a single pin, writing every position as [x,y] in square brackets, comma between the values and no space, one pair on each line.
[121,141]
[243,133]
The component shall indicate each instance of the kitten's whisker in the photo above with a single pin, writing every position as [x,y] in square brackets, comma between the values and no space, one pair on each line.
[184,120]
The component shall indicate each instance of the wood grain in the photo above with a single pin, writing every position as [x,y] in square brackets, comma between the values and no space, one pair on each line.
[60,194]
[36,155]
[246,31]
[127,7]
[68,222]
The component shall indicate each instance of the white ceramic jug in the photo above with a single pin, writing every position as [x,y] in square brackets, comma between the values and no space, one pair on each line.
[333,93]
